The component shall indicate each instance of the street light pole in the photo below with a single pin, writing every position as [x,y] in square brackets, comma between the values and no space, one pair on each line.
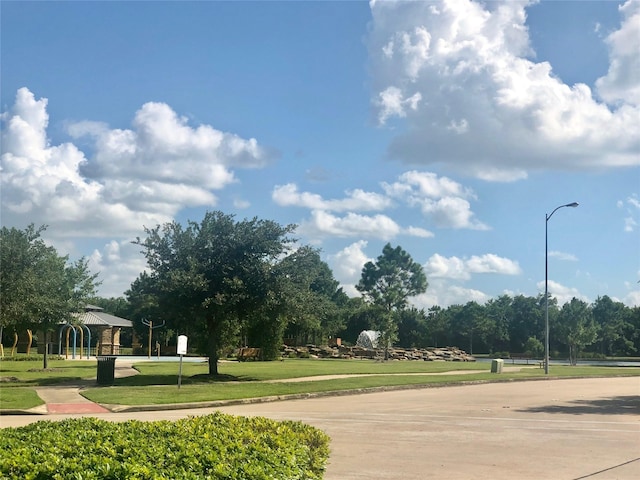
[546,285]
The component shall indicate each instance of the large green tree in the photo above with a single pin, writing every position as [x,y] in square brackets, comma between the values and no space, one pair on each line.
[312,297]
[215,273]
[20,251]
[577,327]
[412,328]
[38,287]
[359,316]
[499,310]
[438,321]
[615,332]
[473,323]
[388,283]
[528,320]
[143,300]
[632,318]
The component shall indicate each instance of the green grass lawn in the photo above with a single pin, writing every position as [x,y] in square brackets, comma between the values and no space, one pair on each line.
[157,381]
[244,380]
[18,398]
[31,372]
[165,394]
[165,373]
[19,378]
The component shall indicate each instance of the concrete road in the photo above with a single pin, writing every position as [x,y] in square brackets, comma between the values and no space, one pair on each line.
[552,429]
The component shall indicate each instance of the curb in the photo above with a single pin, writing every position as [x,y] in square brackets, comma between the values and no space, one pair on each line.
[115,408]
[39,410]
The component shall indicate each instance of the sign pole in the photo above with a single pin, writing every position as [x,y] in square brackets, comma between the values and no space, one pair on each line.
[181,350]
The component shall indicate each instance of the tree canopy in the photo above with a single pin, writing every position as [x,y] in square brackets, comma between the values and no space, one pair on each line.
[577,327]
[213,274]
[38,287]
[392,279]
[312,296]
[229,283]
[388,284]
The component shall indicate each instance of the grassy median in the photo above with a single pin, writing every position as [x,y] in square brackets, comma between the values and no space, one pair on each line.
[156,382]
[241,381]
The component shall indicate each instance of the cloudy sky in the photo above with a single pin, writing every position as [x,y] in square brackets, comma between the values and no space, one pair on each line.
[451,128]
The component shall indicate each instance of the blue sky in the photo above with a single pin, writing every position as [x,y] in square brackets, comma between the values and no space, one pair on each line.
[447,127]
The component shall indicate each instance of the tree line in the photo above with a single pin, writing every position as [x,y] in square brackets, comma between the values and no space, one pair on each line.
[227,283]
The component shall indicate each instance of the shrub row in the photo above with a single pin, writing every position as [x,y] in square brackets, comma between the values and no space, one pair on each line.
[28,358]
[216,446]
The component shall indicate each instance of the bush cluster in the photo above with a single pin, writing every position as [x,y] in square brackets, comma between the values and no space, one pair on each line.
[216,446]
[29,358]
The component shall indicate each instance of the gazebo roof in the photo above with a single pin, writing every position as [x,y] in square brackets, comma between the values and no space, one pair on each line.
[92,308]
[101,319]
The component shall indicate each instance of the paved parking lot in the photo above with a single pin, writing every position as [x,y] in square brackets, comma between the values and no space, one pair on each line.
[550,429]
[556,430]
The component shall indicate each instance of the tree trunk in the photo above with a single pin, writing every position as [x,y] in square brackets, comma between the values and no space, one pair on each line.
[212,345]
[573,355]
[45,363]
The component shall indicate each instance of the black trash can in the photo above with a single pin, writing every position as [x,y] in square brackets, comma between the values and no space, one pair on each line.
[106,369]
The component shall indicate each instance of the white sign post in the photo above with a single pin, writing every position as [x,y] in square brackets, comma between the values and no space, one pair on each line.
[181,350]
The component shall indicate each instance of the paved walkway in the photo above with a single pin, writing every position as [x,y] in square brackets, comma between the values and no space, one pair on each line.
[66,398]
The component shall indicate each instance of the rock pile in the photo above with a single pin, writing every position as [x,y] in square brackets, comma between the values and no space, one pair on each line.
[431,354]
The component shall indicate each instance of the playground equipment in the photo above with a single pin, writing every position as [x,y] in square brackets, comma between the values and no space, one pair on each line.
[149,323]
[68,328]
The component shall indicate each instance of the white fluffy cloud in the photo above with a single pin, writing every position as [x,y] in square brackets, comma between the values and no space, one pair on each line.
[118,263]
[393,104]
[137,177]
[347,266]
[444,294]
[43,182]
[570,257]
[441,272]
[443,202]
[323,224]
[162,147]
[561,292]
[359,200]
[440,199]
[632,298]
[456,268]
[482,106]
[133,178]
[622,82]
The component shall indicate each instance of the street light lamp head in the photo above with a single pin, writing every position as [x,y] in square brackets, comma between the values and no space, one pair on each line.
[574,204]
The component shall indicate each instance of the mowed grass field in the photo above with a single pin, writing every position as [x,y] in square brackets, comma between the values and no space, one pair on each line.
[156,382]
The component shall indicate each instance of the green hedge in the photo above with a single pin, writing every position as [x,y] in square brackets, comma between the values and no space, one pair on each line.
[212,447]
[29,358]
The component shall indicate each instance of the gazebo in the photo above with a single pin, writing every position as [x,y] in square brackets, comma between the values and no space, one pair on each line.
[108,327]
